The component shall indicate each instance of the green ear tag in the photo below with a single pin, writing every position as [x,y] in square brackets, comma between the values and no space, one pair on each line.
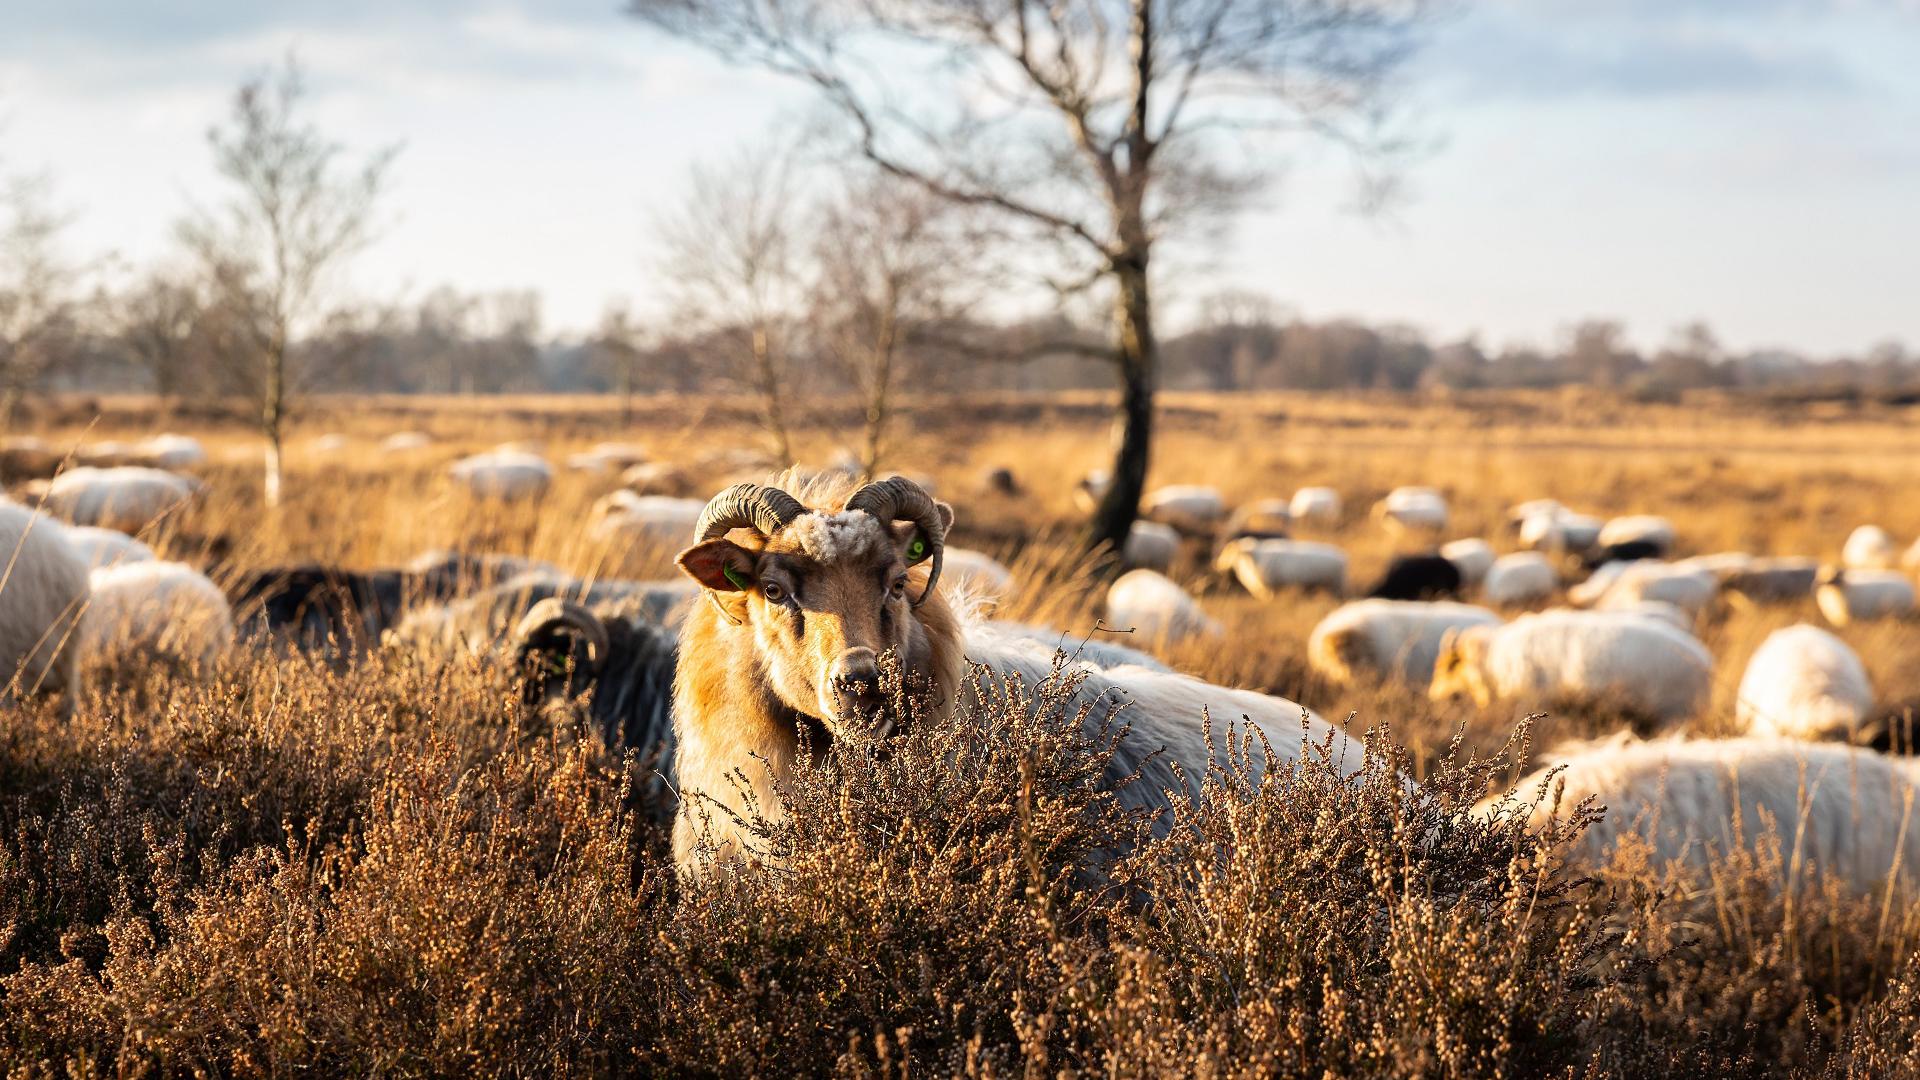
[739,579]
[916,550]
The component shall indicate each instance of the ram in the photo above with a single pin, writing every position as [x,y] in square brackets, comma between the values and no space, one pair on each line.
[808,595]
[1653,669]
[1832,810]
[43,591]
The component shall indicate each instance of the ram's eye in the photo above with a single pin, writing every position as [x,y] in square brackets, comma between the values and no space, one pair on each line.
[917,550]
[899,587]
[773,591]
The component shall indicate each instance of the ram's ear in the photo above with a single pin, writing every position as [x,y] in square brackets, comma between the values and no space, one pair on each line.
[719,564]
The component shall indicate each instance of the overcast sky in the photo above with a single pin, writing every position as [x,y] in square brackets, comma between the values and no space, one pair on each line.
[1751,163]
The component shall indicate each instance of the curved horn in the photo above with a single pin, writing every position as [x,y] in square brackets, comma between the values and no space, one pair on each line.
[544,616]
[900,499]
[765,510]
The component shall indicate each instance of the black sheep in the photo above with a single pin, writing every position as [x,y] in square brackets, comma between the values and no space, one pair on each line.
[1417,577]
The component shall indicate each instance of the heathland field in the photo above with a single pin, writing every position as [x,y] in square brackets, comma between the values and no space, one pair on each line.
[277,864]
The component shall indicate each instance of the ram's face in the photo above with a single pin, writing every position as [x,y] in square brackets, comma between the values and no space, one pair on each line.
[1460,669]
[828,603]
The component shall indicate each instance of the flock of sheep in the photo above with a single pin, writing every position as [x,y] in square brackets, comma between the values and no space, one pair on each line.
[1460,619]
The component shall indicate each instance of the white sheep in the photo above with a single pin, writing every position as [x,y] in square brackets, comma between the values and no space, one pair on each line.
[1849,596]
[1776,578]
[1831,809]
[1520,577]
[979,573]
[98,547]
[1559,530]
[1473,557]
[1412,510]
[157,607]
[1870,547]
[1190,508]
[505,475]
[1622,584]
[125,497]
[1150,546]
[1262,517]
[1265,567]
[1638,529]
[1156,609]
[172,452]
[1319,505]
[655,520]
[43,590]
[1399,639]
[1585,656]
[1518,513]
[401,442]
[1804,683]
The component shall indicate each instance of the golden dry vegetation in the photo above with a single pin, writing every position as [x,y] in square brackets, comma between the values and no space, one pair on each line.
[393,869]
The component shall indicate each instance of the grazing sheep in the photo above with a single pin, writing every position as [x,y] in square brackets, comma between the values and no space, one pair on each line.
[172,452]
[1870,547]
[999,480]
[1412,510]
[105,547]
[1655,669]
[1638,528]
[126,497]
[1417,577]
[1319,505]
[1846,597]
[1156,609]
[607,457]
[1150,546]
[1266,519]
[1520,577]
[1834,810]
[1473,557]
[656,478]
[978,573]
[565,649]
[168,608]
[1091,489]
[1804,683]
[401,442]
[1265,567]
[1189,508]
[1559,531]
[808,594]
[335,611]
[1773,579]
[654,520]
[1623,584]
[1077,648]
[481,624]
[1626,552]
[505,475]
[1398,639]
[43,590]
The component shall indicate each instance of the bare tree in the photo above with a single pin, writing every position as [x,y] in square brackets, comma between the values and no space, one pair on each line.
[617,345]
[893,264]
[295,219]
[158,321]
[1098,126]
[731,253]
[39,301]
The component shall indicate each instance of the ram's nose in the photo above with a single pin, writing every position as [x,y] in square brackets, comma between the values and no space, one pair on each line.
[856,674]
